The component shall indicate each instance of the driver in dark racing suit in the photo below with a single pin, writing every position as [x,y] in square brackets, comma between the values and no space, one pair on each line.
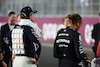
[25,47]
[68,46]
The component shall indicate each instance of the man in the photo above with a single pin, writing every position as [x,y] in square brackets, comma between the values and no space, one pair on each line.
[66,21]
[68,46]
[37,30]
[96,36]
[25,44]
[4,29]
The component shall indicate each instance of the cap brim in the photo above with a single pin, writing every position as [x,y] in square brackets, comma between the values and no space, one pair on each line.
[34,11]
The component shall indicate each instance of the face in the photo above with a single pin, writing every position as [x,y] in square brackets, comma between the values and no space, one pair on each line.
[78,25]
[99,18]
[66,22]
[31,17]
[12,18]
[18,18]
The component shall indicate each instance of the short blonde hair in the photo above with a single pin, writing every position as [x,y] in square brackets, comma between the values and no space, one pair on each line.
[69,17]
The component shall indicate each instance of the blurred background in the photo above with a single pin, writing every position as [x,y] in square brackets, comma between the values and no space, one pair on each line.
[87,8]
[49,19]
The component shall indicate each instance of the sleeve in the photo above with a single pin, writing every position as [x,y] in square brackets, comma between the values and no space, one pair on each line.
[94,32]
[31,35]
[94,36]
[35,41]
[38,52]
[56,49]
[78,47]
[7,38]
[37,30]
[2,44]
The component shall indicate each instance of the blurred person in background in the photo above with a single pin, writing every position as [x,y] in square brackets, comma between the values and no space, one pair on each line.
[68,45]
[4,30]
[66,20]
[24,36]
[37,30]
[18,18]
[96,37]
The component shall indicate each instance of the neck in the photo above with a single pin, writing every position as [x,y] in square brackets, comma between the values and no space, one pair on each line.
[10,22]
[31,20]
[64,27]
[70,25]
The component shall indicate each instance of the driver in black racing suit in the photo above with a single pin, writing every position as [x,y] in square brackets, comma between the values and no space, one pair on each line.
[68,46]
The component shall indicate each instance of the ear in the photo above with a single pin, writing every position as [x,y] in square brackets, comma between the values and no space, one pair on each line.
[29,16]
[8,17]
[99,17]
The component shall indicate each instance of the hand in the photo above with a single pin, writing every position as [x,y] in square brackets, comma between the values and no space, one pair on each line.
[32,59]
[1,56]
[88,57]
[4,64]
[3,52]
[13,57]
[37,62]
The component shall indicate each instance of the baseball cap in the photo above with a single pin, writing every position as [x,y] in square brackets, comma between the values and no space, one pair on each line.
[26,11]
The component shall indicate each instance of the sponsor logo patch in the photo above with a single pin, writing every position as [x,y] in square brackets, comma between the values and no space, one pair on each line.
[80,38]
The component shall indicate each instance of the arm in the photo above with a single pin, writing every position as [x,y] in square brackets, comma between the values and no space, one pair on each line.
[1,59]
[4,64]
[56,48]
[37,30]
[56,51]
[94,32]
[1,39]
[31,35]
[94,36]
[7,38]
[78,47]
[35,41]
[13,57]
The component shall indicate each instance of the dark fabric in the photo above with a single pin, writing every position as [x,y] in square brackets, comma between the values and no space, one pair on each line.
[30,41]
[59,62]
[68,45]
[7,55]
[0,63]
[68,63]
[96,36]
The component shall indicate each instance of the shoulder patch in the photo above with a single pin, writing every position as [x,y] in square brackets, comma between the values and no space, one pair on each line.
[65,30]
[80,38]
